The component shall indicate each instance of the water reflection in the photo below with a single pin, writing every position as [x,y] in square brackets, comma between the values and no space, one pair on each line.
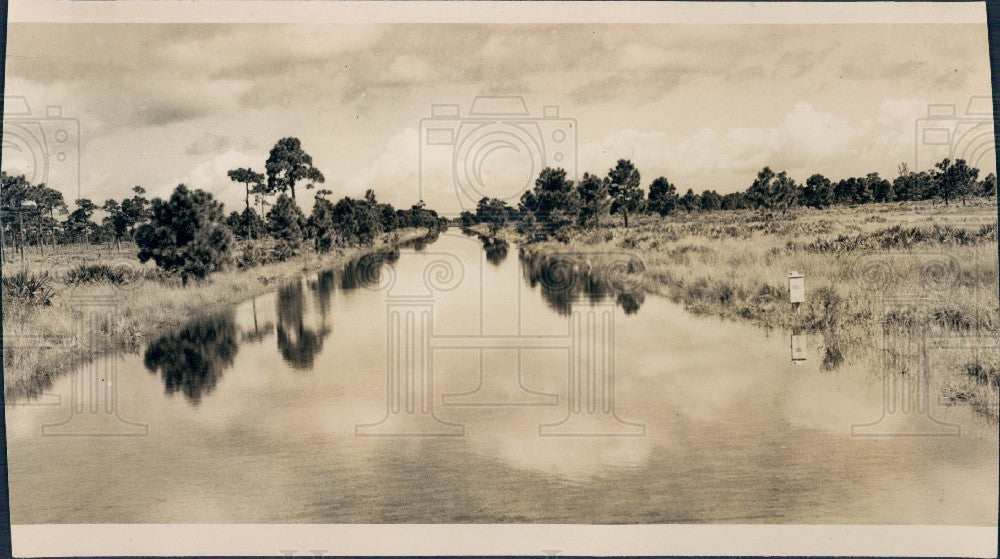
[735,433]
[496,249]
[260,331]
[297,343]
[566,278]
[420,244]
[191,361]
[366,271]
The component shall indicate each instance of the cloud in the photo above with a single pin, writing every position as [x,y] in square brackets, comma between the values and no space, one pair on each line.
[395,170]
[211,175]
[209,143]
[707,103]
[804,139]
[627,88]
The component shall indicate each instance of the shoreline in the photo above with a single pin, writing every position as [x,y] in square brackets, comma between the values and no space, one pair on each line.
[735,267]
[50,344]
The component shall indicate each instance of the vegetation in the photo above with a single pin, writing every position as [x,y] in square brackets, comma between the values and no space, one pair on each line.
[861,242]
[556,204]
[727,255]
[867,280]
[188,237]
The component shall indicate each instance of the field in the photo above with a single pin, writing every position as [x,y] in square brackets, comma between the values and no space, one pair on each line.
[77,316]
[900,271]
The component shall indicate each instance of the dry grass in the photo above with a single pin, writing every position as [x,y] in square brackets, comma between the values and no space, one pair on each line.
[870,272]
[43,340]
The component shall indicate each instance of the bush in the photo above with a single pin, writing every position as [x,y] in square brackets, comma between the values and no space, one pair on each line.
[28,289]
[283,250]
[253,255]
[103,273]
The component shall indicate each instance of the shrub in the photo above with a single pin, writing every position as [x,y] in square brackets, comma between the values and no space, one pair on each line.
[103,273]
[283,250]
[983,374]
[28,289]
[253,255]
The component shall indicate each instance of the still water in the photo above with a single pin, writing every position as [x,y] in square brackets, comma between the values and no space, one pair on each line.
[459,382]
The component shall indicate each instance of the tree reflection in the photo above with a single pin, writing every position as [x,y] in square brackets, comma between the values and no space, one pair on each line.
[564,279]
[259,331]
[366,271]
[496,249]
[297,343]
[420,243]
[191,360]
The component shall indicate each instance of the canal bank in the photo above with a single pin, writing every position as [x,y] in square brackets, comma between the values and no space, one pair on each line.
[83,322]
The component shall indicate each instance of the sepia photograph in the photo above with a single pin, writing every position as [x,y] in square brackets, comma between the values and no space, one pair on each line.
[500,278]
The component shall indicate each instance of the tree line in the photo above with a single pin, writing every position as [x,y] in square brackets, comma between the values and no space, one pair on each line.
[556,201]
[189,234]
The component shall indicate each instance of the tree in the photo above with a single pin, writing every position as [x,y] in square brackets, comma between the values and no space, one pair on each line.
[78,222]
[785,192]
[818,192]
[553,203]
[663,197]
[253,182]
[880,188]
[906,185]
[137,210]
[710,201]
[623,186]
[15,191]
[246,224]
[287,164]
[467,219]
[954,179]
[49,200]
[186,234]
[988,187]
[861,193]
[843,191]
[321,224]
[285,221]
[772,191]
[493,212]
[594,202]
[387,217]
[117,221]
[734,201]
[689,202]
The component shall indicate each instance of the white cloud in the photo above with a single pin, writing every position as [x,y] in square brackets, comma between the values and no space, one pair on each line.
[804,139]
[211,175]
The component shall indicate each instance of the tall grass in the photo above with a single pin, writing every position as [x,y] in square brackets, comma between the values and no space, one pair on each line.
[898,266]
[46,307]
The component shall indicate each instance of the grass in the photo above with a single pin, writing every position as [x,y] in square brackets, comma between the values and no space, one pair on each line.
[125,304]
[871,271]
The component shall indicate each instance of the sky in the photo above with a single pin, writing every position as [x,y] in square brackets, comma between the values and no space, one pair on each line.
[706,106]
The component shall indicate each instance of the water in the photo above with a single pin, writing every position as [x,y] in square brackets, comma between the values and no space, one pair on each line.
[449,383]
